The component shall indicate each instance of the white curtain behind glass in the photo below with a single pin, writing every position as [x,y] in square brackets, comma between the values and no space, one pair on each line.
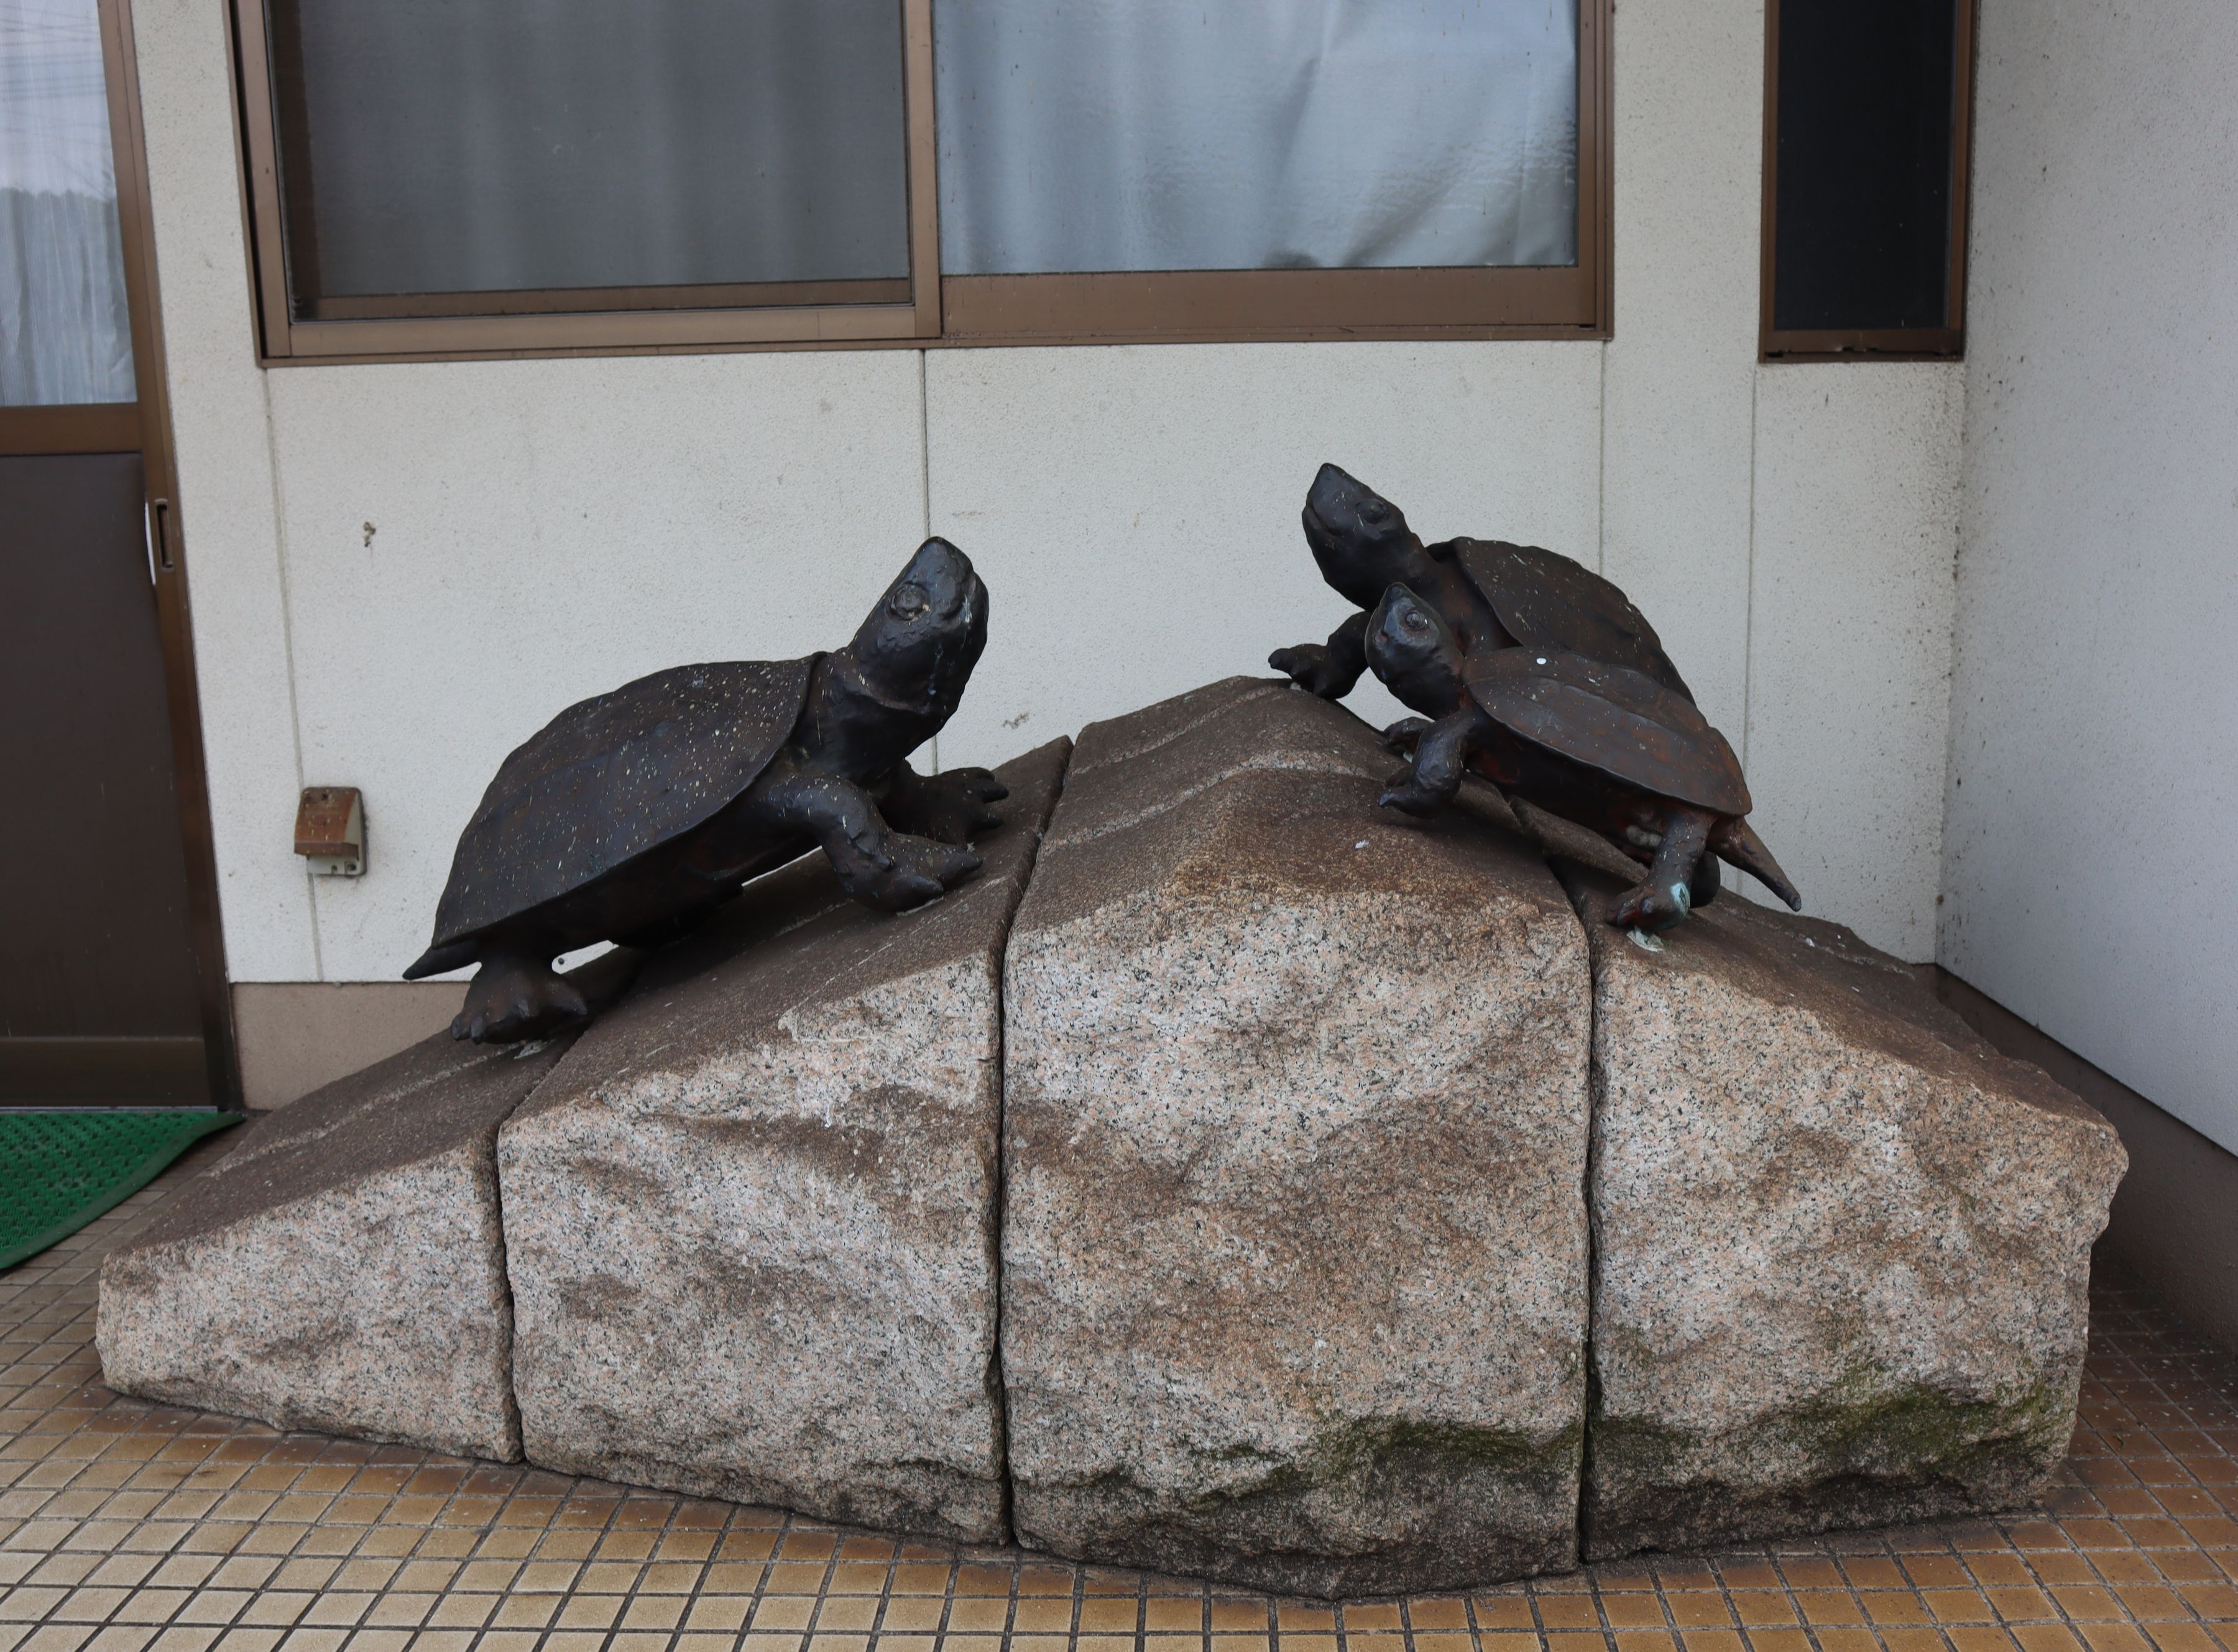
[64,335]
[1146,135]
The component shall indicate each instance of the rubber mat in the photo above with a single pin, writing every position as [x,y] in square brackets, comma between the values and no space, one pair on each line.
[58,1171]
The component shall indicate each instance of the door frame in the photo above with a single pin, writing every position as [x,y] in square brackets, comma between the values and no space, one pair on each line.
[144,427]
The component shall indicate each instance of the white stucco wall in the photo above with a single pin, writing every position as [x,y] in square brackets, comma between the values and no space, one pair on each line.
[2094,729]
[544,530]
[1855,501]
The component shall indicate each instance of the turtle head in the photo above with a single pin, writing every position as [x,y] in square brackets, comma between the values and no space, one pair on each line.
[1360,538]
[920,643]
[1413,653]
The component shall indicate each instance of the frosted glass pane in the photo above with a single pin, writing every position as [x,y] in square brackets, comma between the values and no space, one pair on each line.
[1147,135]
[496,144]
[65,334]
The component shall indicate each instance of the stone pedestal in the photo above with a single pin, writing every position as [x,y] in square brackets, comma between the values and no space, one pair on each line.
[1842,1246]
[341,1268]
[750,1227]
[1294,1246]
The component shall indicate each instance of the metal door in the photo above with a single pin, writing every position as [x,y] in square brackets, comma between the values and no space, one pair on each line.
[111,976]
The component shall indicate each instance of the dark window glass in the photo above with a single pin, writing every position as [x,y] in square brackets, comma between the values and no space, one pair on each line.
[515,146]
[1865,112]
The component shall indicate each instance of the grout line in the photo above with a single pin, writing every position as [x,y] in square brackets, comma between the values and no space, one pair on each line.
[279,492]
[924,496]
[1746,883]
[923,447]
[1600,477]
[885,1596]
[1748,610]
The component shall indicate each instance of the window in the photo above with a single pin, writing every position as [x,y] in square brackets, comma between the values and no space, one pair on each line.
[511,175]
[65,331]
[1866,128]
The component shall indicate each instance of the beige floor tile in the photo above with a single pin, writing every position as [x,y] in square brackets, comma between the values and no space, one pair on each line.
[132,1528]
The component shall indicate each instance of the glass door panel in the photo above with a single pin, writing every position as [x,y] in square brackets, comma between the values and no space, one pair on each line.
[65,336]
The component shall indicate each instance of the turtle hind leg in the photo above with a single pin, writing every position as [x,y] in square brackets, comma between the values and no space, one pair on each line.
[515,995]
[1703,886]
[1667,894]
[1734,841]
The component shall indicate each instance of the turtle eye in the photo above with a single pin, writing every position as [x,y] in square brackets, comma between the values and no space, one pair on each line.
[1415,620]
[1375,511]
[907,602]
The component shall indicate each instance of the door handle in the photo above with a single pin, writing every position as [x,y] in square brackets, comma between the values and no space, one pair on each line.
[159,538]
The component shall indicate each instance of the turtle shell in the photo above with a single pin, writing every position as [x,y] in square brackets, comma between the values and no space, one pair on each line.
[612,777]
[1620,722]
[1547,601]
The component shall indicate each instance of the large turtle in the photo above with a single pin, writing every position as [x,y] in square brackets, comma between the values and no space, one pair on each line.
[1491,594]
[631,816]
[1603,745]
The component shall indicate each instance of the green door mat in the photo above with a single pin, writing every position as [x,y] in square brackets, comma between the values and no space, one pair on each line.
[58,1171]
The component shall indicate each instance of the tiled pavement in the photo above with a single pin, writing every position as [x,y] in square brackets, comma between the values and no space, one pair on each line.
[126,1527]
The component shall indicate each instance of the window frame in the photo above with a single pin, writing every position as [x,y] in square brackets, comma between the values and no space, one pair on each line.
[1158,307]
[1944,343]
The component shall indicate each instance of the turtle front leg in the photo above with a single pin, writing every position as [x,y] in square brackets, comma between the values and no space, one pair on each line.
[1429,782]
[891,871]
[1667,893]
[1403,735]
[950,807]
[516,996]
[1329,669]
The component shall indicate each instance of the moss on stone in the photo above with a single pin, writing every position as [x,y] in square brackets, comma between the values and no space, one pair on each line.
[1866,1424]
[1369,1446]
[1629,1451]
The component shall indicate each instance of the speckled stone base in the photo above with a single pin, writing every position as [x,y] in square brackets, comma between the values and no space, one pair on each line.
[1842,1248]
[1276,1106]
[751,1222]
[342,1267]
[1294,1252]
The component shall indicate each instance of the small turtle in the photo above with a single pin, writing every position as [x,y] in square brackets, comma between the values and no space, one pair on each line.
[630,816]
[1490,593]
[1603,745]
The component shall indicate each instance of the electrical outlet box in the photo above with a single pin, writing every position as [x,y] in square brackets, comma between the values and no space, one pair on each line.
[330,830]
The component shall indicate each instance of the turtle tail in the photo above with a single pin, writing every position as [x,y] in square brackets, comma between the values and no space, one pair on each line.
[436,959]
[1735,841]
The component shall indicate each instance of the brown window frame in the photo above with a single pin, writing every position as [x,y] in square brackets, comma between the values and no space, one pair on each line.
[932,310]
[1944,343]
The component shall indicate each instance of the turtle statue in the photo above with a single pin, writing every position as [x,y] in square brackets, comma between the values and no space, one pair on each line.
[629,816]
[1489,599]
[1602,745]
[1490,593]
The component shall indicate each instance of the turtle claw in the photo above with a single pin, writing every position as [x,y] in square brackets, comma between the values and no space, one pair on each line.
[1308,666]
[1653,907]
[916,869]
[1405,793]
[1406,734]
[510,1001]
[950,807]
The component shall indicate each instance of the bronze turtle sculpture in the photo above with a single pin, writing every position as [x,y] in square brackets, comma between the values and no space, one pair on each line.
[1490,593]
[631,816]
[1601,744]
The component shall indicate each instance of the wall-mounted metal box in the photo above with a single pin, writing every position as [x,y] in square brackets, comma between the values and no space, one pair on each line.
[330,830]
